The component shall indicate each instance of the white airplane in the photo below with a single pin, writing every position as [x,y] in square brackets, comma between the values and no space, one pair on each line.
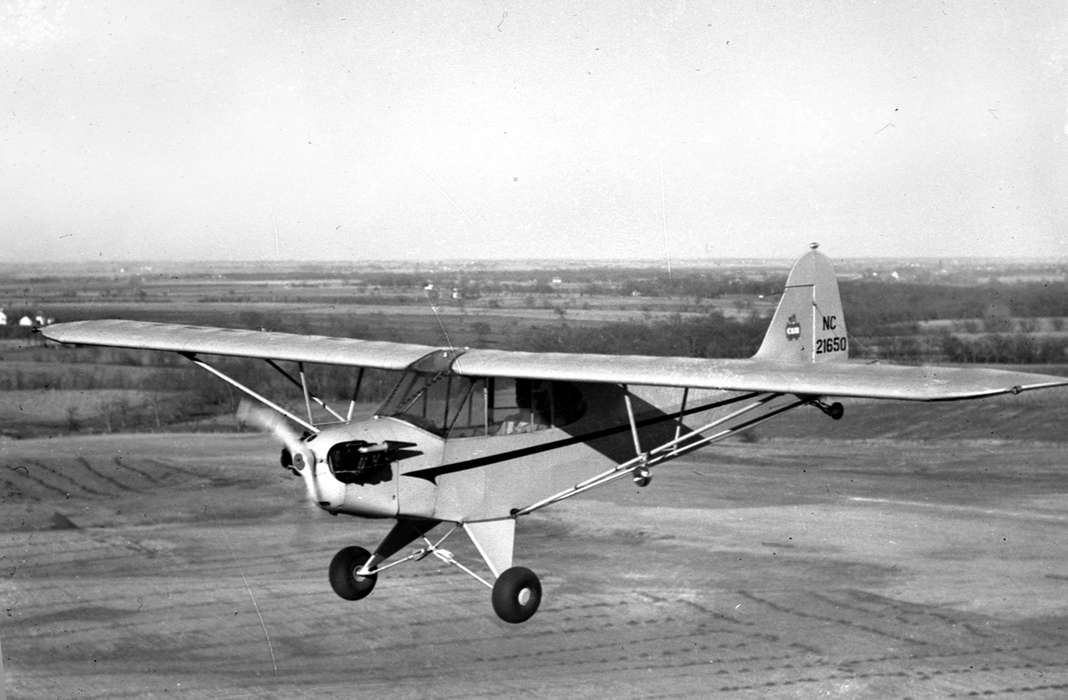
[477,439]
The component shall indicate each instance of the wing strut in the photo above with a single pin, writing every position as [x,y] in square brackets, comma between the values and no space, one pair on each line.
[246,390]
[355,395]
[633,425]
[304,390]
[677,447]
[682,412]
[308,396]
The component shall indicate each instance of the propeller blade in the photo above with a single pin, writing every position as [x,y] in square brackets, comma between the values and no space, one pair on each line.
[259,416]
[309,483]
[268,421]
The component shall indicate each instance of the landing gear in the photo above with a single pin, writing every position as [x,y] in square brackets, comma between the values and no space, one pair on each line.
[516,594]
[343,578]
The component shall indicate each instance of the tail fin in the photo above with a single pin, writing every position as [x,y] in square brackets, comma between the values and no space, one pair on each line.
[808,325]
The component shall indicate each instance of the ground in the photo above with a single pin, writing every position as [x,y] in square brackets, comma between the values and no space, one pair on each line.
[795,566]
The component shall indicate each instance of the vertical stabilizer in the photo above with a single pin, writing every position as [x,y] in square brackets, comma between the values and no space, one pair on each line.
[808,325]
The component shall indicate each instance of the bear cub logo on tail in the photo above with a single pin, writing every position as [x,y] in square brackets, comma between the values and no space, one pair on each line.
[793,328]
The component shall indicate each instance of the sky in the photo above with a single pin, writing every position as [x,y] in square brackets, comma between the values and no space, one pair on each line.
[367,131]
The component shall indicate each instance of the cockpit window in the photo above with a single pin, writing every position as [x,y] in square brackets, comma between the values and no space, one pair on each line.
[454,406]
[422,399]
[430,396]
[527,405]
[421,396]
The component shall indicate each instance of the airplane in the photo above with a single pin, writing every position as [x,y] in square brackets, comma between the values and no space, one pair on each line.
[474,439]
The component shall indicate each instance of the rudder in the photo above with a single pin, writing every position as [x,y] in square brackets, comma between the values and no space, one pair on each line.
[808,325]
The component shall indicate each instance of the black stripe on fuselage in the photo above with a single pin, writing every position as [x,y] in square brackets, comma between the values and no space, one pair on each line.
[433,473]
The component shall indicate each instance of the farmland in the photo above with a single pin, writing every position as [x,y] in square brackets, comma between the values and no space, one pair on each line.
[908,311]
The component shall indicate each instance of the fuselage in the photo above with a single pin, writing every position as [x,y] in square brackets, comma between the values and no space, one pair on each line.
[465,449]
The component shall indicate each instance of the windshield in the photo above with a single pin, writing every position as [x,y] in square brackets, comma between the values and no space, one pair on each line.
[421,397]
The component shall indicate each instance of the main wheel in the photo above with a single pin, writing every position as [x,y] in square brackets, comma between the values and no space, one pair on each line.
[516,594]
[343,578]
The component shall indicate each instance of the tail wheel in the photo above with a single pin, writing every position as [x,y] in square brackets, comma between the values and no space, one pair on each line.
[343,578]
[516,594]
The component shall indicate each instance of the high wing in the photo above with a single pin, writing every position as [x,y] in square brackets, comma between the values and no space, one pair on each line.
[853,379]
[208,340]
[843,378]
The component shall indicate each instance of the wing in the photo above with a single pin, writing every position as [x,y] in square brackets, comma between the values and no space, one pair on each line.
[855,379]
[847,378]
[240,343]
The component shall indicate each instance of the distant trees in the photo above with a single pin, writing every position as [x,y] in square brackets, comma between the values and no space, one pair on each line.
[1004,348]
[712,335]
[873,306]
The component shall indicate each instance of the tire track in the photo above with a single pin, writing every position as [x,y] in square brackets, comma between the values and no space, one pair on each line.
[843,622]
[118,462]
[168,466]
[79,487]
[24,472]
[104,477]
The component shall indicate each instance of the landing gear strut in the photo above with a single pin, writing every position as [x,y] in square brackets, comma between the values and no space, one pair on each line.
[516,593]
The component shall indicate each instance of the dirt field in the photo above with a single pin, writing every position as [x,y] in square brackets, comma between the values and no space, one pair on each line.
[145,566]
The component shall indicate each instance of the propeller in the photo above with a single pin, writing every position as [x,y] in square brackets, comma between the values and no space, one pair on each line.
[294,457]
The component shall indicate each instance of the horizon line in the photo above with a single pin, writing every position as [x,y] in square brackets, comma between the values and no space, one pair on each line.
[1038,259]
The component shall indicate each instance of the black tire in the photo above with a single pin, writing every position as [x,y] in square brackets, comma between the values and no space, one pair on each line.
[516,594]
[343,578]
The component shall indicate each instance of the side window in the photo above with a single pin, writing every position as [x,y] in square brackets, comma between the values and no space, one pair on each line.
[467,410]
[568,403]
[517,408]
[527,405]
[448,404]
